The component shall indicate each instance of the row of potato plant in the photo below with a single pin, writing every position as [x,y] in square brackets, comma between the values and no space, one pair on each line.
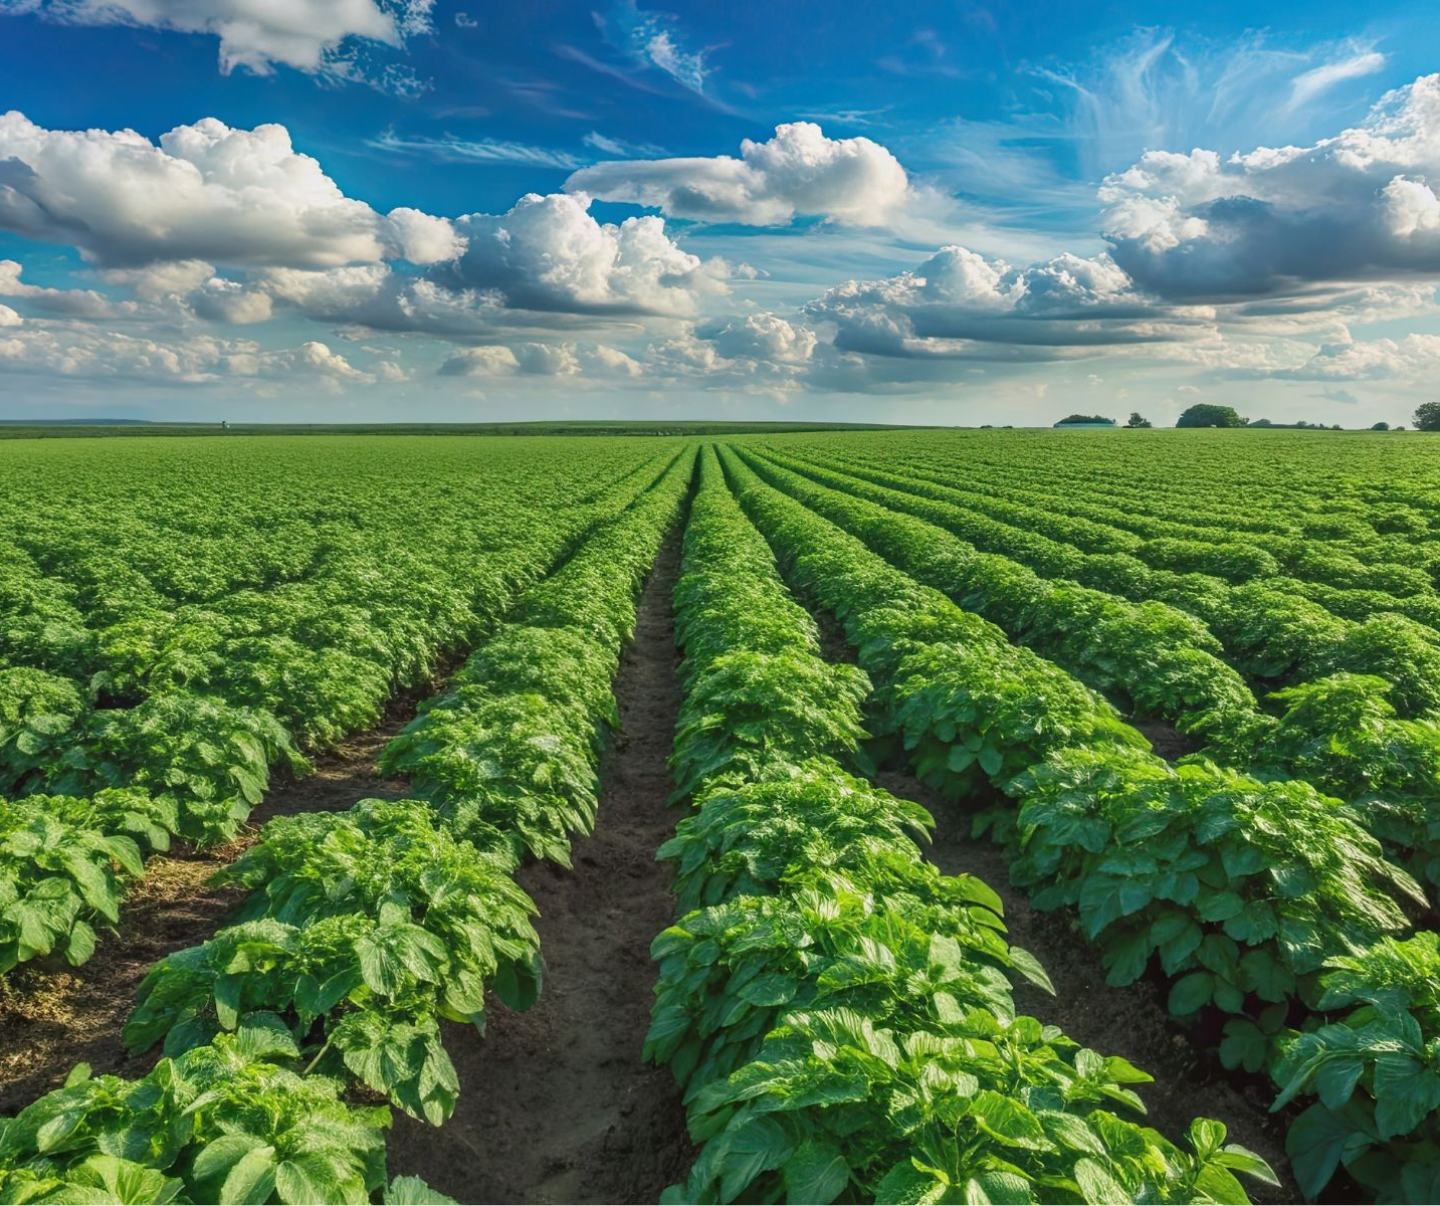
[95,792]
[1268,629]
[1243,895]
[837,1010]
[1327,550]
[1363,547]
[1338,733]
[365,930]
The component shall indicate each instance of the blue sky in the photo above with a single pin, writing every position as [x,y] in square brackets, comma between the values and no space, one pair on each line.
[339,210]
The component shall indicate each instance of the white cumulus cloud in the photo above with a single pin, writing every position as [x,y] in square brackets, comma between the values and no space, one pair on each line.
[253,34]
[207,192]
[1413,356]
[764,336]
[536,359]
[550,253]
[1360,205]
[66,303]
[961,304]
[798,172]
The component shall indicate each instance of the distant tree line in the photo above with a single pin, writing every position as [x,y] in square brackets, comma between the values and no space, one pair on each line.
[1212,414]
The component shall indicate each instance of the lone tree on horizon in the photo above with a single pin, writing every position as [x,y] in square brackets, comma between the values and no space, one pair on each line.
[1136,419]
[1209,414]
[1427,416]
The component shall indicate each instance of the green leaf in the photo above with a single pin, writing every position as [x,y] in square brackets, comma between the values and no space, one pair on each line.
[517,985]
[412,1191]
[1336,1080]
[757,1145]
[1191,992]
[1000,1189]
[1406,1092]
[1097,1184]
[220,1155]
[126,1182]
[264,1035]
[1317,1142]
[81,945]
[816,1172]
[1242,1159]
[773,988]
[906,1185]
[1244,1045]
[1029,967]
[1007,1119]
[307,1178]
[251,1179]
[1221,906]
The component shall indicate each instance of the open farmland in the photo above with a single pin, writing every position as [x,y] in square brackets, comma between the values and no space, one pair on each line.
[915,815]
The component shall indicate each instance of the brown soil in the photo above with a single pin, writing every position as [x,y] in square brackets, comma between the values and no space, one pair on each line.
[555,1104]
[53,1017]
[1130,1021]
[1163,738]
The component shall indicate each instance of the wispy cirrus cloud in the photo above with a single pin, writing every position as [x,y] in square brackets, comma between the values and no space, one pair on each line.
[449,148]
[655,40]
[1156,89]
[1308,85]
[621,148]
[842,115]
[924,53]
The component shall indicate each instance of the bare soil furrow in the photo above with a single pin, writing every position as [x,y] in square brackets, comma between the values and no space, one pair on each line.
[53,1016]
[555,1104]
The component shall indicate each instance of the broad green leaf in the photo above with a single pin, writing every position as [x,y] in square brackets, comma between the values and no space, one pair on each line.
[815,1172]
[412,1191]
[251,1179]
[756,1145]
[1097,1184]
[1190,992]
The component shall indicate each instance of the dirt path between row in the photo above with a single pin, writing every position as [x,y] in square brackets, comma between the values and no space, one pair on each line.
[1130,1021]
[555,1104]
[53,1018]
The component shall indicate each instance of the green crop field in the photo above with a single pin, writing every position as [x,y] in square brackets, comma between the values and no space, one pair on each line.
[808,815]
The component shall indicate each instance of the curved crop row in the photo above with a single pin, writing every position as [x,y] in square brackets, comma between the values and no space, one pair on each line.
[1269,628]
[1188,487]
[1238,890]
[95,791]
[1341,545]
[365,930]
[1159,660]
[838,1010]
[1338,733]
